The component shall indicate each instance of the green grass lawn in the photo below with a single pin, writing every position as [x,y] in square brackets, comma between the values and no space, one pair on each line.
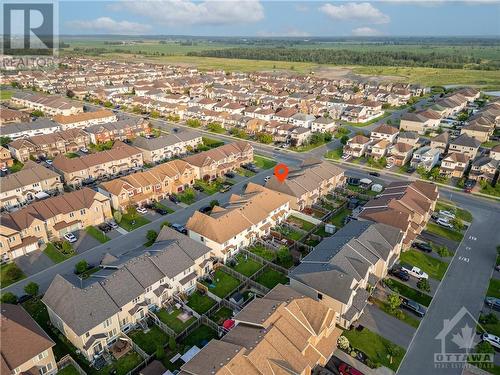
[10,273]
[223,284]
[151,340]
[163,207]
[72,155]
[123,365]
[97,234]
[222,314]
[406,291]
[5,94]
[188,196]
[68,370]
[263,162]
[245,172]
[338,218]
[493,328]
[246,267]
[403,316]
[200,336]
[172,321]
[54,254]
[494,288]
[270,278]
[490,144]
[262,252]
[363,124]
[200,303]
[210,142]
[459,212]
[305,225]
[209,188]
[435,268]
[444,232]
[335,154]
[321,232]
[290,233]
[308,147]
[128,224]
[375,347]
[16,167]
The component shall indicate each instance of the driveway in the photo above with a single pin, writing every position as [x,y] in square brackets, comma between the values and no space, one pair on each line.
[386,326]
[34,262]
[438,240]
[85,242]
[433,283]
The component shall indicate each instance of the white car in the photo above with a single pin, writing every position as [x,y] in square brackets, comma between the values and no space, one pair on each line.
[113,225]
[389,166]
[48,161]
[444,223]
[447,214]
[142,210]
[345,157]
[70,237]
[267,178]
[85,150]
[415,272]
[492,339]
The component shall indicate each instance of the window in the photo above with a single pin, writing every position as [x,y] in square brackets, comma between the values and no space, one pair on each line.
[202,239]
[320,296]
[12,239]
[16,370]
[148,289]
[42,355]
[71,214]
[107,323]
[82,212]
[87,334]
[45,369]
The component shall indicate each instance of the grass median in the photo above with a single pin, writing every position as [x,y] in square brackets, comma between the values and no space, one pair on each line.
[435,268]
[444,232]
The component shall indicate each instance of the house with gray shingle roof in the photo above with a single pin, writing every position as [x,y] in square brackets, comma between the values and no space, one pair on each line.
[167,146]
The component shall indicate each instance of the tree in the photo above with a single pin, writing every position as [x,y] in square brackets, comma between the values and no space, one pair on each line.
[81,267]
[393,301]
[32,289]
[423,284]
[344,139]
[166,224]
[392,351]
[117,215]
[5,140]
[327,136]
[172,344]
[215,127]
[194,123]
[132,212]
[160,352]
[151,236]
[108,104]
[66,247]
[343,343]
[264,138]
[214,203]
[9,297]
[457,224]
[155,114]
[37,113]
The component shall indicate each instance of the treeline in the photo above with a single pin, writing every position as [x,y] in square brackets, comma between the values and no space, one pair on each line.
[349,57]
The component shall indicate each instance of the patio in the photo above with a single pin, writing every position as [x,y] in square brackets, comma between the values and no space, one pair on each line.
[175,318]
[221,283]
[120,348]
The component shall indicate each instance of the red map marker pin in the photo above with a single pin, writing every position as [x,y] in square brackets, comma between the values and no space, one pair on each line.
[281,172]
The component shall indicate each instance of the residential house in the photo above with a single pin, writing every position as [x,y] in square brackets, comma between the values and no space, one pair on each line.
[245,218]
[410,138]
[85,119]
[479,132]
[8,115]
[425,157]
[122,158]
[299,136]
[305,186]
[155,150]
[466,145]
[384,131]
[6,160]
[24,230]
[49,145]
[49,105]
[216,162]
[420,121]
[357,146]
[302,120]
[284,115]
[454,164]
[323,125]
[120,130]
[495,152]
[484,169]
[404,205]
[339,269]
[23,187]
[441,142]
[93,318]
[400,154]
[17,130]
[25,348]
[379,148]
[282,330]
[149,186]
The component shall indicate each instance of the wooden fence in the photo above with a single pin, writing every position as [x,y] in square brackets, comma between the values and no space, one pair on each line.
[66,361]
[169,331]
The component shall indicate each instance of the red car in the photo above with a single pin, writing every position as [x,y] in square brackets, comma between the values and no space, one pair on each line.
[345,369]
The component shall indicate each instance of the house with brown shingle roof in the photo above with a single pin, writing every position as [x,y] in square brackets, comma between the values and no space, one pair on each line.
[284,332]
[84,119]
[384,131]
[24,230]
[400,154]
[25,348]
[245,218]
[420,121]
[454,164]
[357,146]
[466,145]
[48,104]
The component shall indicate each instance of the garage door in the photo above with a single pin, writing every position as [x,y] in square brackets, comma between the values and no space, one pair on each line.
[17,253]
[32,247]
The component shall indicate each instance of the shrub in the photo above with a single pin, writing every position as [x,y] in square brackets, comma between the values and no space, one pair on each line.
[32,289]
[166,224]
[9,297]
[117,215]
[160,352]
[151,235]
[81,267]
[423,284]
[66,247]
[343,343]
[443,251]
[393,301]
[172,344]
[214,203]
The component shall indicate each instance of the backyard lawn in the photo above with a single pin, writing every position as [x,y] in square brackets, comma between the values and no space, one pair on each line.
[444,232]
[339,217]
[263,162]
[406,291]
[200,303]
[171,320]
[303,224]
[54,254]
[123,365]
[223,284]
[246,266]
[375,347]
[97,234]
[200,336]
[335,154]
[290,233]
[435,268]
[16,167]
[68,370]
[222,315]
[494,288]
[130,224]
[262,252]
[270,278]
[151,340]
[10,273]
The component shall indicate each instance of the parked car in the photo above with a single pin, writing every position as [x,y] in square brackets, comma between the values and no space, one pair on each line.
[179,228]
[400,274]
[389,166]
[375,174]
[104,227]
[345,369]
[415,271]
[345,156]
[267,178]
[206,209]
[411,170]
[113,225]
[492,302]
[444,223]
[48,161]
[413,306]
[469,185]
[198,188]
[425,247]
[492,339]
[24,298]
[447,214]
[173,198]
[229,175]
[70,237]
[225,188]
[160,211]
[142,210]
[175,130]
[85,150]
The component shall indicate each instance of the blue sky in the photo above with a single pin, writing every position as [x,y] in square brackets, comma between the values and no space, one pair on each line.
[281,18]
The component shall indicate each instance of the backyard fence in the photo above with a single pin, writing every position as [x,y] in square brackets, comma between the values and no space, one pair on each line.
[169,331]
[136,347]
[245,280]
[66,361]
[264,261]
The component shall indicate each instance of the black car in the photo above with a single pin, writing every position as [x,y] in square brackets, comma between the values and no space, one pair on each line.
[160,211]
[24,298]
[375,174]
[492,302]
[413,306]
[411,170]
[179,228]
[229,175]
[400,274]
[175,130]
[197,188]
[425,247]
[206,209]
[174,199]
[105,227]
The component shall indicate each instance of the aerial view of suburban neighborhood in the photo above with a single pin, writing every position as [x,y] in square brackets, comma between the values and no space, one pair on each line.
[225,187]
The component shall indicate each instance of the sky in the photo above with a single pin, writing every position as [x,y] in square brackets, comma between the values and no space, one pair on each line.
[259,18]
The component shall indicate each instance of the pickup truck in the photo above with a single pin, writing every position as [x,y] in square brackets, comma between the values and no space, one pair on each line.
[414,271]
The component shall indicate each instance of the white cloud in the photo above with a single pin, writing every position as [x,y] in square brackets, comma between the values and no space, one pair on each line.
[366,31]
[185,12]
[355,12]
[109,25]
[287,33]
